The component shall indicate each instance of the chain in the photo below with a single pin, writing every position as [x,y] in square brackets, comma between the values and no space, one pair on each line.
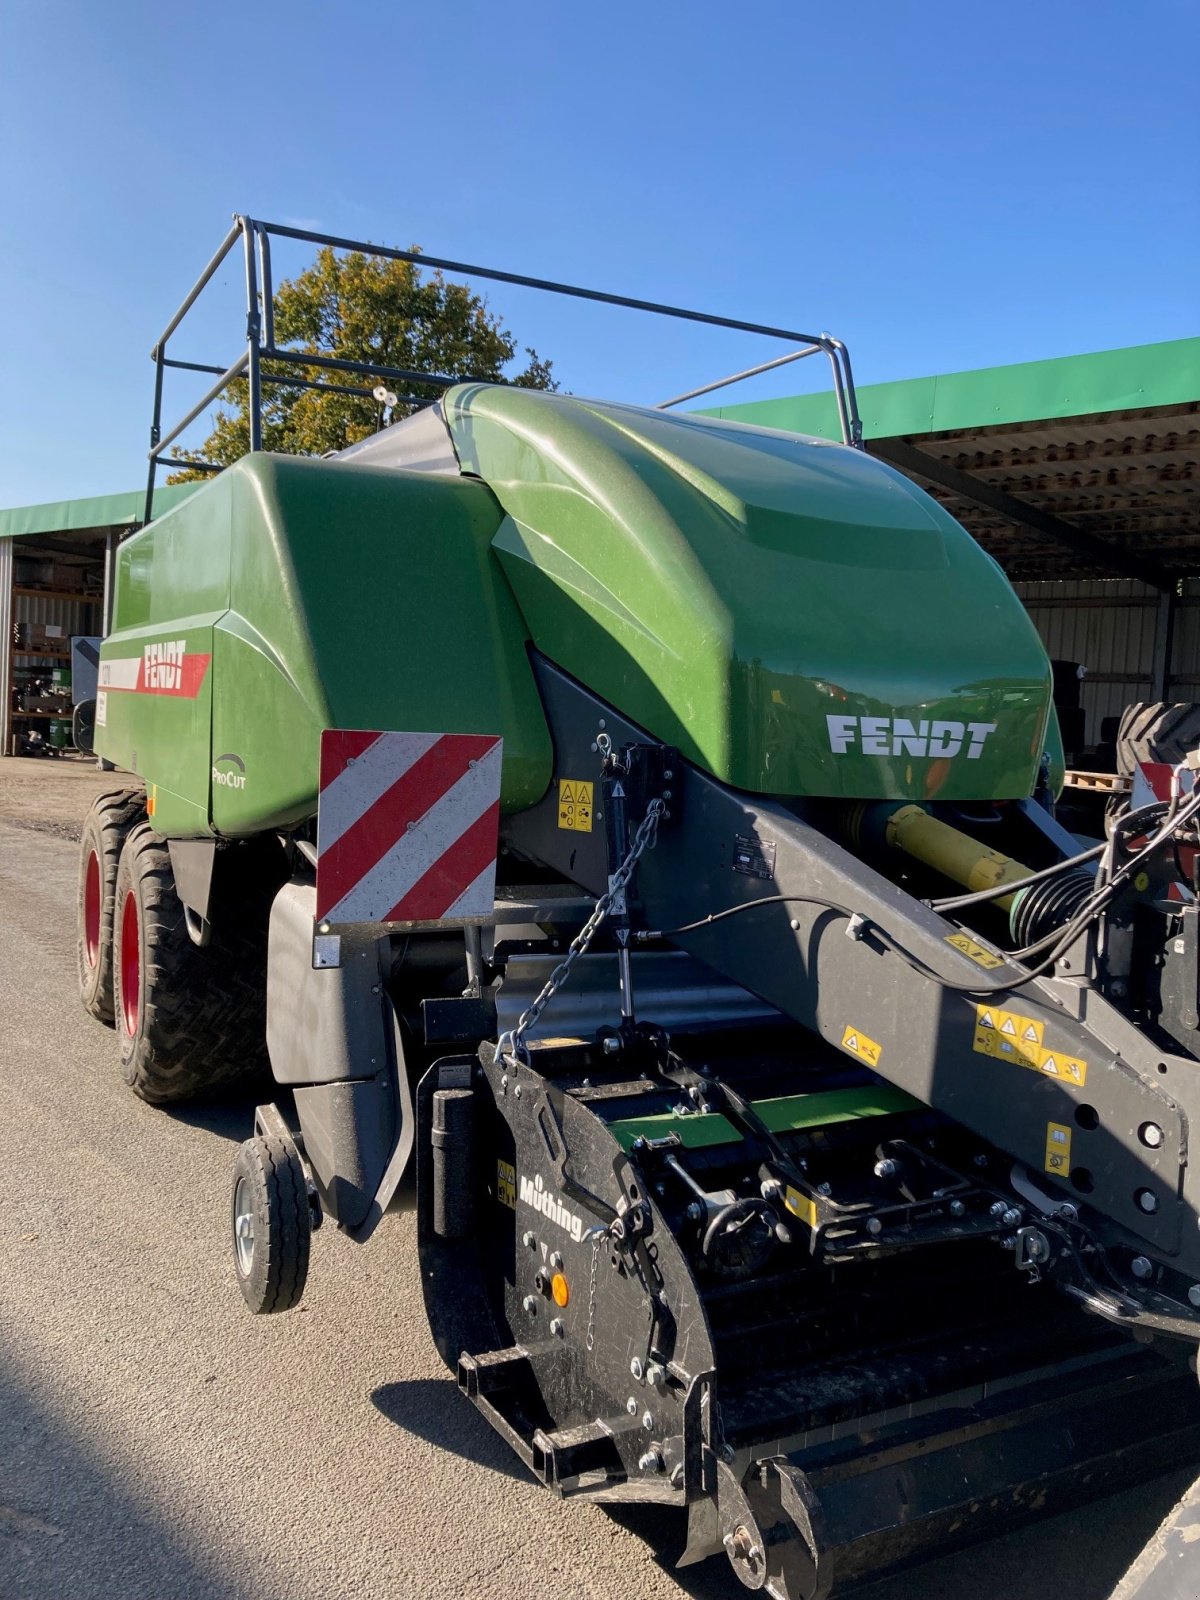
[512,1046]
[597,1235]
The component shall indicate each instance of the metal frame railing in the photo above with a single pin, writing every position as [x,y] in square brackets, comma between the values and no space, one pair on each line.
[256,239]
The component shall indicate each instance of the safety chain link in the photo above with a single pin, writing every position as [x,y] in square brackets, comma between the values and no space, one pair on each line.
[511,1047]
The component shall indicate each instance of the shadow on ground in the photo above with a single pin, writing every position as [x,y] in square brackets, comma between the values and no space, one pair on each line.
[433,1409]
[230,1115]
[69,1526]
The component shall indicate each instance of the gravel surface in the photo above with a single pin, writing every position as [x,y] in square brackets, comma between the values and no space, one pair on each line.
[158,1442]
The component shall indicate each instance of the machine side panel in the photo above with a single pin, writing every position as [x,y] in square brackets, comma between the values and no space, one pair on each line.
[155,681]
[362,598]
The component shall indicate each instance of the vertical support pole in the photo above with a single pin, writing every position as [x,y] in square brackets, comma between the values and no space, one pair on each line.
[1164,634]
[253,337]
[6,645]
[267,287]
[155,430]
[111,544]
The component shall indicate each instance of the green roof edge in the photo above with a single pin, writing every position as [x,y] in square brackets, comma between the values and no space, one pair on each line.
[1138,378]
[99,511]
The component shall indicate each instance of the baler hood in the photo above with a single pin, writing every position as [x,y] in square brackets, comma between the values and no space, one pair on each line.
[797,617]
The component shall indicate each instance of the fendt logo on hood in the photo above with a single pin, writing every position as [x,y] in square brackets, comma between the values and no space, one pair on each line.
[534,1193]
[898,736]
[229,780]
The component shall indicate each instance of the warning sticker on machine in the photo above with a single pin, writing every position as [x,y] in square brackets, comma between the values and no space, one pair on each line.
[859,1045]
[1058,1148]
[574,806]
[977,953]
[506,1184]
[800,1205]
[1009,1036]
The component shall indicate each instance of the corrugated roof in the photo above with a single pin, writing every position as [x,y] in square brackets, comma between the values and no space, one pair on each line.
[1084,466]
[99,511]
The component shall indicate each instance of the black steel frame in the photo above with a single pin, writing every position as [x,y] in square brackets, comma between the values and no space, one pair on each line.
[256,237]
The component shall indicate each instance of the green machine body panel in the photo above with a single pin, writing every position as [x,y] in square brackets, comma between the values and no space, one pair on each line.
[335,595]
[798,618]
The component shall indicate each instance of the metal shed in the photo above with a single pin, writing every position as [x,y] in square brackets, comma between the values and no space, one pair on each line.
[55,573]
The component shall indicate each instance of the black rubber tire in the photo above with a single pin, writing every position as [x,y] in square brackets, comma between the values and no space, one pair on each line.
[1152,730]
[104,832]
[275,1186]
[198,1016]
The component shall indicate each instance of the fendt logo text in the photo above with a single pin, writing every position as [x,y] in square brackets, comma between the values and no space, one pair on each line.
[897,736]
[533,1192]
[163,667]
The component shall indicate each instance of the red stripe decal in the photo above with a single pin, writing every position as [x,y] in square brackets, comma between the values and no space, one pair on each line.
[433,895]
[350,745]
[180,680]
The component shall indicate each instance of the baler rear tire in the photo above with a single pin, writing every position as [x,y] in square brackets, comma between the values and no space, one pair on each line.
[105,829]
[189,1019]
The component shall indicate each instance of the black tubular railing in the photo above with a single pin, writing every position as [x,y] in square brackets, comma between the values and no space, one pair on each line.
[256,237]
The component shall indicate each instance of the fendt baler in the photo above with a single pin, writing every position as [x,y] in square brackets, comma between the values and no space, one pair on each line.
[633,837]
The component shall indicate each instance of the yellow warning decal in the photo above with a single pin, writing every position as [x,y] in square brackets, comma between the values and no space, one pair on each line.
[977,953]
[574,806]
[506,1184]
[800,1206]
[859,1045]
[1058,1148]
[1009,1036]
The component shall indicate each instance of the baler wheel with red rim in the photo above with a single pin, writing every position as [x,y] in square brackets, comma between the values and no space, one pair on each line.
[104,832]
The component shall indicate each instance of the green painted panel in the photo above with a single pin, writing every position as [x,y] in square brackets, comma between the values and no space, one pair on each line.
[1139,378]
[790,1113]
[798,618]
[341,596]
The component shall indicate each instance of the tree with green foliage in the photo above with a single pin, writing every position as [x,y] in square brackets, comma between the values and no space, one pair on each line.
[372,309]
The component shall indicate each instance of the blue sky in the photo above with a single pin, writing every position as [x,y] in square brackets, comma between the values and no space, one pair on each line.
[943,185]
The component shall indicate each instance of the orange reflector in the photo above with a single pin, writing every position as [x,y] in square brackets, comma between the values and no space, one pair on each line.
[559,1289]
[150,805]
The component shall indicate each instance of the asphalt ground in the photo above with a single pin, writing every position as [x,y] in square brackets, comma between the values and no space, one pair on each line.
[157,1442]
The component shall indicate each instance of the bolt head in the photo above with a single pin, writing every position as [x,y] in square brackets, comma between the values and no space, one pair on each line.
[1151,1135]
[957,1209]
[1067,1211]
[1012,1217]
[556,1327]
[528,1240]
[631,1406]
[874,1225]
[652,1461]
[1194,1295]
[886,1168]
[530,1304]
[1147,1201]
[647,1421]
[824,1189]
[997,1209]
[1141,1267]
[517,1091]
[656,1375]
[611,1045]
[695,1211]
[556,1260]
[770,1188]
[635,1367]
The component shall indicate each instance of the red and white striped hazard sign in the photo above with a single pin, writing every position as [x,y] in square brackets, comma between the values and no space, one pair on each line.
[407,826]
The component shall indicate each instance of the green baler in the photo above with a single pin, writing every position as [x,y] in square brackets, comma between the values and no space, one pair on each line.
[796,1120]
